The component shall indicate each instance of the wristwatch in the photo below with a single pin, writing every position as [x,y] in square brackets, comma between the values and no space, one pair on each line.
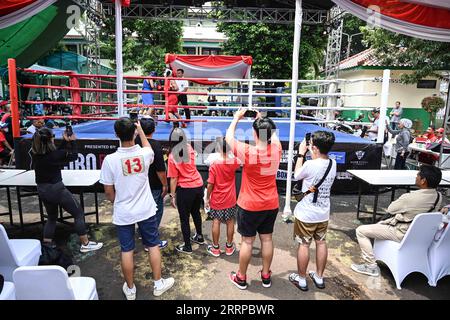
[301,155]
[172,195]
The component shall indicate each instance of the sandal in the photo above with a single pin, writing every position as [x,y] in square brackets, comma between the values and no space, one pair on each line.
[318,285]
[293,278]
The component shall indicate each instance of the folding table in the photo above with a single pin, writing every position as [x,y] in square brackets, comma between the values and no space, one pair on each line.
[394,179]
[79,179]
[6,174]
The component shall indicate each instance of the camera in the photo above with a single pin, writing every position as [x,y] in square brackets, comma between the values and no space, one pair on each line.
[250,113]
[134,116]
[69,131]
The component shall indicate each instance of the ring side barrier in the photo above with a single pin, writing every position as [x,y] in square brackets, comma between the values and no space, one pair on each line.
[77,75]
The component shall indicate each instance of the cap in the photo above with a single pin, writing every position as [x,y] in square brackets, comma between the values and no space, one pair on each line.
[440,130]
[152,73]
[376,110]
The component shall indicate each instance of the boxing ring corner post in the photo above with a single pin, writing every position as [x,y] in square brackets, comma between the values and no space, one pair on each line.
[12,75]
[383,105]
[119,58]
[295,57]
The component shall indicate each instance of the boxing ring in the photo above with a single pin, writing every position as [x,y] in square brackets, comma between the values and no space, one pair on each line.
[96,138]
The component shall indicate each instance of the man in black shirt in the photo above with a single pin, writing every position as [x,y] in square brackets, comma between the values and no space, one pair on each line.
[157,171]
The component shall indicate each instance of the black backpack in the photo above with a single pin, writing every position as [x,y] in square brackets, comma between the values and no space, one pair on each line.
[52,255]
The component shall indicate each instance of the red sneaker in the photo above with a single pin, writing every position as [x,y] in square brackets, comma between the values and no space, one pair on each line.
[230,250]
[215,252]
[238,281]
[266,279]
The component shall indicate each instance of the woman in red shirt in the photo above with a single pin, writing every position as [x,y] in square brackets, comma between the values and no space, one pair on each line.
[186,187]
[258,197]
[221,197]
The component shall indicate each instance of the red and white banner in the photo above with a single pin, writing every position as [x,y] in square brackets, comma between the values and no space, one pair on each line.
[425,19]
[15,11]
[226,67]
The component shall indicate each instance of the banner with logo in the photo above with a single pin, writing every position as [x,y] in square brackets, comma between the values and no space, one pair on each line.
[91,154]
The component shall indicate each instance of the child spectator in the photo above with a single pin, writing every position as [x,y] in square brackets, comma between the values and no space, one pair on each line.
[125,178]
[186,188]
[221,197]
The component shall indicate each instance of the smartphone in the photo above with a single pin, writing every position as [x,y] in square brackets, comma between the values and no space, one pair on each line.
[308,138]
[134,116]
[69,131]
[250,114]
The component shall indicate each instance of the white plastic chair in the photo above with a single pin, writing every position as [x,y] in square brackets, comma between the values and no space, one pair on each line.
[411,254]
[17,253]
[8,292]
[52,283]
[439,257]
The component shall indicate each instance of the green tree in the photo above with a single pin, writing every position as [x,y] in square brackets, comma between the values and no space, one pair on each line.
[432,105]
[271,47]
[145,42]
[424,57]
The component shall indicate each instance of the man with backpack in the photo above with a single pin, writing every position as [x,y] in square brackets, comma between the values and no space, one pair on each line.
[313,209]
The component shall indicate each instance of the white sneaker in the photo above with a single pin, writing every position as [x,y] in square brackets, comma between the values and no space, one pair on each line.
[167,284]
[91,246]
[130,294]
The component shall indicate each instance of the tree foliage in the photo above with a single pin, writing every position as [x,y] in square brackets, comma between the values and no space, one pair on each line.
[424,57]
[352,26]
[271,47]
[432,105]
[145,42]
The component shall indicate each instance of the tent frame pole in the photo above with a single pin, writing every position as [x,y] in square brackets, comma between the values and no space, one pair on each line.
[295,64]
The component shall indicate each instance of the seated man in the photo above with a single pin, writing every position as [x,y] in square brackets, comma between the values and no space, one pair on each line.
[403,211]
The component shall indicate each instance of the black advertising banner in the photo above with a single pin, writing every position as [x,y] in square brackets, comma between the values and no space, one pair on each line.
[91,154]
[347,155]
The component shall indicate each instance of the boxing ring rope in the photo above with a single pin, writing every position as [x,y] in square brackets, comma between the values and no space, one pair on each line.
[120,105]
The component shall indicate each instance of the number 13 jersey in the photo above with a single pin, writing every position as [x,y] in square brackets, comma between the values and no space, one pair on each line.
[127,170]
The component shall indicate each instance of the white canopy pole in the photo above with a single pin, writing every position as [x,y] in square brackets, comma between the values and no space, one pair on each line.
[119,60]
[295,56]
[383,105]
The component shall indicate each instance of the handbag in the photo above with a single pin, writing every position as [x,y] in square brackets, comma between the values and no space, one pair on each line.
[314,189]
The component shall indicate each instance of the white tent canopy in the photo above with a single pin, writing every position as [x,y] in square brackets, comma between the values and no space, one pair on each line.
[425,19]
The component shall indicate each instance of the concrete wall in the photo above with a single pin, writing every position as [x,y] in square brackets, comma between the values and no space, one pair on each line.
[408,94]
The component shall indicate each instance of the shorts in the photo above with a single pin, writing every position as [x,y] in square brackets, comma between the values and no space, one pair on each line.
[149,233]
[223,215]
[251,222]
[304,232]
[4,154]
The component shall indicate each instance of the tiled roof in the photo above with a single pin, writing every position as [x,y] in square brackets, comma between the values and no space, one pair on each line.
[365,58]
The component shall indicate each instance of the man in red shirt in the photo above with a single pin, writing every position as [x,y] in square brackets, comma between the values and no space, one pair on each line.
[258,197]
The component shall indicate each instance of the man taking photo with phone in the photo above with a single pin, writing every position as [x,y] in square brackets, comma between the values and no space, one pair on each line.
[313,209]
